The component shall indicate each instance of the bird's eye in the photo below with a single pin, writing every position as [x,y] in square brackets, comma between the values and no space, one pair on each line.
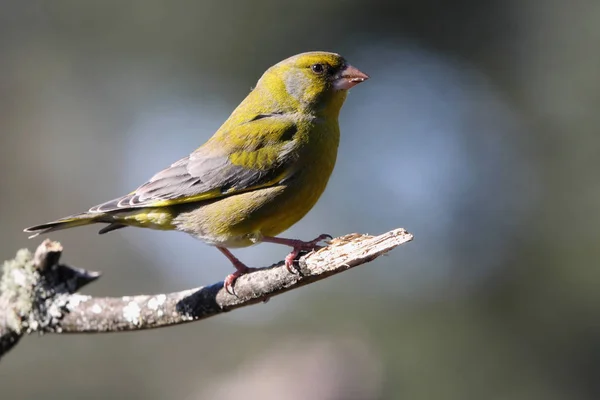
[317,68]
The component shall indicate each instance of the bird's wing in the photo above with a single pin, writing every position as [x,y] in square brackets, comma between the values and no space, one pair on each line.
[254,155]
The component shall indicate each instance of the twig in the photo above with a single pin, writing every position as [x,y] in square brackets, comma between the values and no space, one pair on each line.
[39,295]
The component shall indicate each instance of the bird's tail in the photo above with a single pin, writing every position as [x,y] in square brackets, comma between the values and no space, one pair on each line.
[64,223]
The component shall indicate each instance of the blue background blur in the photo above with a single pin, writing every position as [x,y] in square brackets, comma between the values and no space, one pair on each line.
[477,132]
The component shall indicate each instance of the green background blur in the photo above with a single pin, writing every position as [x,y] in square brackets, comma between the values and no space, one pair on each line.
[477,132]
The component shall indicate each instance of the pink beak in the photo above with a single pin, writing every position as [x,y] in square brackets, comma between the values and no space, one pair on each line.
[349,77]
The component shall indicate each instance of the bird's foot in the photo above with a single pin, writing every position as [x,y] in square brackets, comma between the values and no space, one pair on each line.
[240,269]
[229,281]
[299,246]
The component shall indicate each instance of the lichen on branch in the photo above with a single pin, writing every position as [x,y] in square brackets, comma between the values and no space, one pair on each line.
[38,294]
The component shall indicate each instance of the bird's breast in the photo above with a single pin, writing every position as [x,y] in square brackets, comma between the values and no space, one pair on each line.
[301,191]
[240,220]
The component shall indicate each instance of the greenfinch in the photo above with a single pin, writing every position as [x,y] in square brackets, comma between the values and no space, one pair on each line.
[258,175]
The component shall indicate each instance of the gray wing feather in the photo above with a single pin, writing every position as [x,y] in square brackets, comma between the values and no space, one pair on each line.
[194,175]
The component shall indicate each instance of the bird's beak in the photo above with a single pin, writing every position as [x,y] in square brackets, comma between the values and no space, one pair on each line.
[349,77]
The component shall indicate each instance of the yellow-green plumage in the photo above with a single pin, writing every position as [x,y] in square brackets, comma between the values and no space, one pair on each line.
[260,173]
[241,220]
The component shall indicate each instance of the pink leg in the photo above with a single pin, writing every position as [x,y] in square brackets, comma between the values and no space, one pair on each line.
[240,267]
[297,247]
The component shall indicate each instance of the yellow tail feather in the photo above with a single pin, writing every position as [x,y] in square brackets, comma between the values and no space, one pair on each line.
[154,218]
[64,223]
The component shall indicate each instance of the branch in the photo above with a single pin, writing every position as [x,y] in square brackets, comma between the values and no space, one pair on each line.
[37,294]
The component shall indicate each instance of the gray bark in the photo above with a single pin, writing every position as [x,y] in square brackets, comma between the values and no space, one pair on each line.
[38,294]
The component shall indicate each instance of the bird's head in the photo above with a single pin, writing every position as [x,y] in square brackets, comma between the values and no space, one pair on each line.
[316,82]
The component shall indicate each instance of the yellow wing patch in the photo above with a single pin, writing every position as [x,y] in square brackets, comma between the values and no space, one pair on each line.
[155,218]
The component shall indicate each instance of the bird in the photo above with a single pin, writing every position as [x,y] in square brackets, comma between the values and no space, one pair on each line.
[261,172]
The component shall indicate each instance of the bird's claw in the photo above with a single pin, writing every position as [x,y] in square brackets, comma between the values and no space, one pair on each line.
[301,246]
[289,261]
[322,237]
[229,282]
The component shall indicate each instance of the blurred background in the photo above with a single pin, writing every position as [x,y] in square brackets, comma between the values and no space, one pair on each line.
[477,132]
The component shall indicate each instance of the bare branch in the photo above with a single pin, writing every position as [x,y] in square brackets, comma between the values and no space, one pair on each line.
[39,295]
